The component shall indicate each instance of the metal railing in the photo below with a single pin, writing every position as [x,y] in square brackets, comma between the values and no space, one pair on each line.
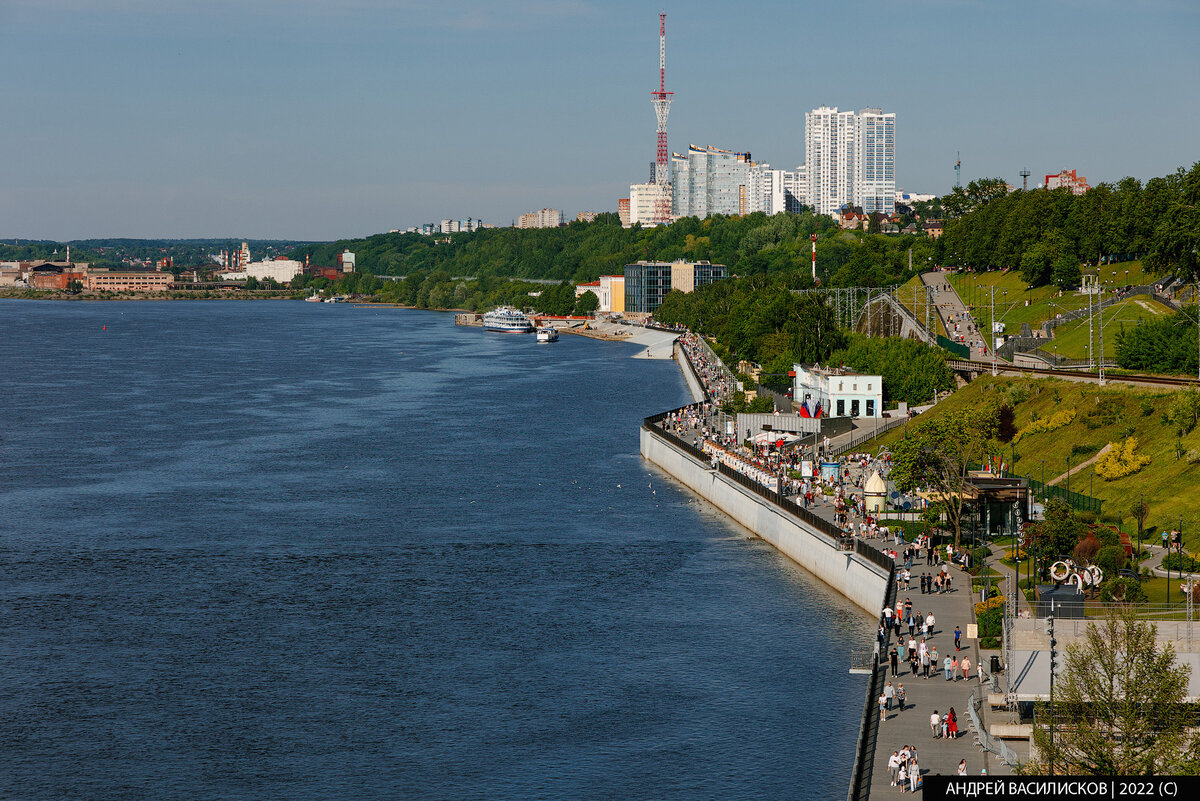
[859,439]
[1084,503]
[986,740]
[868,730]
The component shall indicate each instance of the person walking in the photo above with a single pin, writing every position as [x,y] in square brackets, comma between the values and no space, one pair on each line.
[957,639]
[946,666]
[902,778]
[979,671]
[889,692]
[894,766]
[924,664]
[893,660]
[945,727]
[935,724]
[914,775]
[882,707]
[932,623]
[952,724]
[954,668]
[966,668]
[900,696]
[914,661]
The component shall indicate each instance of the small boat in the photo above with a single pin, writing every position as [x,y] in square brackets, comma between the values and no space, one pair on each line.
[313,299]
[507,320]
[547,333]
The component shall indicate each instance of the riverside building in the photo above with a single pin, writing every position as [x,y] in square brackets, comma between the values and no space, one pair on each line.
[648,282]
[833,392]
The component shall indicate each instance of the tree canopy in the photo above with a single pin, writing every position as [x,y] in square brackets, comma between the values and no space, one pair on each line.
[1119,707]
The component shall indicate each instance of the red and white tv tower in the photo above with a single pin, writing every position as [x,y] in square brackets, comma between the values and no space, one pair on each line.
[662,107]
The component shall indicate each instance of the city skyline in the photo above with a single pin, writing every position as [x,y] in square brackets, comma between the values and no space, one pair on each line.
[325,119]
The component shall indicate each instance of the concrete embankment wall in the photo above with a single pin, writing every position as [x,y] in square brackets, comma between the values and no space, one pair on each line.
[863,583]
[688,376]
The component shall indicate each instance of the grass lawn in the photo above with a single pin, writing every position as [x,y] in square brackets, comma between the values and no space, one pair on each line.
[1017,303]
[1071,340]
[1167,483]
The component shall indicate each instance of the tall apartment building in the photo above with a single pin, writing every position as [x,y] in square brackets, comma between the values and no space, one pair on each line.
[648,282]
[850,159]
[545,218]
[710,180]
[1070,180]
[875,161]
[646,202]
[829,158]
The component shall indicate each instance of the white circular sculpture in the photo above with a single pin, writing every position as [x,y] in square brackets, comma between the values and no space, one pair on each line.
[1065,570]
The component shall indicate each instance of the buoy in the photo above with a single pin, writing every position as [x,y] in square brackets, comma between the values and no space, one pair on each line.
[106,328]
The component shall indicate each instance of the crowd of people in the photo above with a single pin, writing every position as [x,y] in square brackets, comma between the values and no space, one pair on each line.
[840,491]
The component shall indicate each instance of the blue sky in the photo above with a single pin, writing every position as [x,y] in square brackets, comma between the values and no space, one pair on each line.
[320,119]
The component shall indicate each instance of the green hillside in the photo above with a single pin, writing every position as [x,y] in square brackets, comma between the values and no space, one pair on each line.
[1101,415]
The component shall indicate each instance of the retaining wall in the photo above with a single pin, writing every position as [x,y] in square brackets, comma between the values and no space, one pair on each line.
[860,581]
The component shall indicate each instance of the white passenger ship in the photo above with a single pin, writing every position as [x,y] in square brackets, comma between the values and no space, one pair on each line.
[507,320]
[547,333]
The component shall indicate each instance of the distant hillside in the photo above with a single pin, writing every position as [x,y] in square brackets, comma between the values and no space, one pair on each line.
[749,245]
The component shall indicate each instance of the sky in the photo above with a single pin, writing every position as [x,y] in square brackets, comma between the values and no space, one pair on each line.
[327,119]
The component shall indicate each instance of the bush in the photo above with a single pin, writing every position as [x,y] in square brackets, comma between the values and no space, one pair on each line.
[1184,562]
[1052,423]
[1110,559]
[1087,549]
[1127,590]
[1193,456]
[1084,450]
[990,617]
[1121,460]
[1147,407]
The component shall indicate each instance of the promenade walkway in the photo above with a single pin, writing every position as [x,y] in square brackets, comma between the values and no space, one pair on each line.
[896,728]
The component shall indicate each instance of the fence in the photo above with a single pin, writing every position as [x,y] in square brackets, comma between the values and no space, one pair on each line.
[985,740]
[859,439]
[868,730]
[961,351]
[1083,503]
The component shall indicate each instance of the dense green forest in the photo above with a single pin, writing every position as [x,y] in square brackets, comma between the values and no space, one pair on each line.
[750,245]
[1161,345]
[1048,233]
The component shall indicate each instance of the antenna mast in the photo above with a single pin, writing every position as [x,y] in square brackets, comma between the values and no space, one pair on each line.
[1024,180]
[662,107]
[958,169]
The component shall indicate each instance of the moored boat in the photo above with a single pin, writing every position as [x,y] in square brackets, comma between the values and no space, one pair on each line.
[507,320]
[547,333]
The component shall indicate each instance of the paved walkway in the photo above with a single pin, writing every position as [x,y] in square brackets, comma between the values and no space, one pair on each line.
[954,310]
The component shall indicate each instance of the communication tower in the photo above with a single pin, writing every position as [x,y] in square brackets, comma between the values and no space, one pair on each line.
[661,100]
[1024,180]
[958,169]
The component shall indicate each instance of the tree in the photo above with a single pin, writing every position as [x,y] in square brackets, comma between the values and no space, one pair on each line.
[1066,273]
[936,454]
[74,287]
[252,283]
[1119,705]
[1055,535]
[587,303]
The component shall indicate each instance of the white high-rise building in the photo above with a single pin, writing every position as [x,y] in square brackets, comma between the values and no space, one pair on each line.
[710,180]
[646,202]
[850,159]
[829,158]
[875,161]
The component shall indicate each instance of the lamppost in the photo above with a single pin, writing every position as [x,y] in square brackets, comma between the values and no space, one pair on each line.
[1068,475]
[1141,517]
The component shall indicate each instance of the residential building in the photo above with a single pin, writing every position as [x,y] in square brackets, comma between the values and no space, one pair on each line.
[933,228]
[587,216]
[850,159]
[544,218]
[875,161]
[648,282]
[826,392]
[647,203]
[710,180]
[829,158]
[1069,180]
[623,211]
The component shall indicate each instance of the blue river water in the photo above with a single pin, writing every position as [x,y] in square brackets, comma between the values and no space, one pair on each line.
[279,550]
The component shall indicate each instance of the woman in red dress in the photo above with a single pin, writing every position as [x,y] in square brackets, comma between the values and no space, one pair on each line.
[953,727]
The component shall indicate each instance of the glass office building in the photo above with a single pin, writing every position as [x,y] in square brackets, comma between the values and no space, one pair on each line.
[648,282]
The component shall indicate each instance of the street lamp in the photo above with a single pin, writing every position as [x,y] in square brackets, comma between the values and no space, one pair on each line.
[1068,475]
